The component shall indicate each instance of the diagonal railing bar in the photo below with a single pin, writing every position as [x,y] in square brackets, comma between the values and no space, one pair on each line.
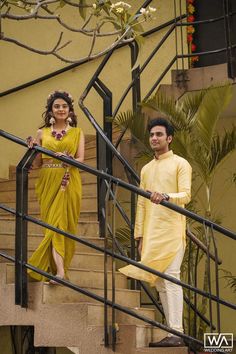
[111,304]
[122,258]
[119,207]
[123,184]
[159,45]
[197,312]
[180,57]
[107,141]
[202,246]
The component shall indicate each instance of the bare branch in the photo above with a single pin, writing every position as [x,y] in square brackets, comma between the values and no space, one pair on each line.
[87,21]
[93,43]
[74,4]
[38,51]
[33,14]
[99,54]
[87,32]
[45,8]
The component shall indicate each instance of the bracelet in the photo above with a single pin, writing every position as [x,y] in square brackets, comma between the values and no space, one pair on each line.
[166,196]
[29,139]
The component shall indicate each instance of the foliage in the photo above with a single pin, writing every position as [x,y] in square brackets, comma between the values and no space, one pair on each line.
[194,117]
[230,279]
[100,18]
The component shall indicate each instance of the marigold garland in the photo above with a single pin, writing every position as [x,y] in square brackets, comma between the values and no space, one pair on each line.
[190,31]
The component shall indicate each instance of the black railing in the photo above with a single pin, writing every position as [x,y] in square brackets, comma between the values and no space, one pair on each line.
[21,253]
[107,150]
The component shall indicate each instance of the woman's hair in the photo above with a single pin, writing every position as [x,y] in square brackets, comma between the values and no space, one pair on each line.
[51,98]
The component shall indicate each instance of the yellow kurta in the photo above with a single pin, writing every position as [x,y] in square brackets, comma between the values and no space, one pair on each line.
[58,208]
[162,229]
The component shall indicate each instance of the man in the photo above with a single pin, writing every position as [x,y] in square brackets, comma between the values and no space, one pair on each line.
[160,230]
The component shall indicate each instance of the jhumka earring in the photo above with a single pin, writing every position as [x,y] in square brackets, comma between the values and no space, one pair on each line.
[52,121]
[69,120]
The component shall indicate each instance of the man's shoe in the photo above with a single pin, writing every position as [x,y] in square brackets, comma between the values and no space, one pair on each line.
[170,341]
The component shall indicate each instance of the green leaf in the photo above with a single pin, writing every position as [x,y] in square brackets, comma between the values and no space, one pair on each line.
[83,9]
[139,40]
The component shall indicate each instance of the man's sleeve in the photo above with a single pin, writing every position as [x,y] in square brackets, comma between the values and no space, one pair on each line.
[184,179]
[140,212]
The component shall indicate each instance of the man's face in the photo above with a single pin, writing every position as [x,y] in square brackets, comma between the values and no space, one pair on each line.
[158,139]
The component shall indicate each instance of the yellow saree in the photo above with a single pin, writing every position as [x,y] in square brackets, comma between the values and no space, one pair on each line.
[58,207]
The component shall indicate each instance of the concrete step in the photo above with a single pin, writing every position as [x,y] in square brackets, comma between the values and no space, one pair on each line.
[10,185]
[8,190]
[87,203]
[85,228]
[85,215]
[60,294]
[81,277]
[7,243]
[93,261]
[96,315]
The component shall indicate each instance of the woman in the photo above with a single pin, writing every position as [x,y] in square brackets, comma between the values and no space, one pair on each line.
[59,185]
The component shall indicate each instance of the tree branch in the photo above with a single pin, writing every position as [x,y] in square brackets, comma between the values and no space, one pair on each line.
[92,44]
[38,51]
[99,54]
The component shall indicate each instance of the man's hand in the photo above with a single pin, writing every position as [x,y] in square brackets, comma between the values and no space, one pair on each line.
[140,246]
[157,197]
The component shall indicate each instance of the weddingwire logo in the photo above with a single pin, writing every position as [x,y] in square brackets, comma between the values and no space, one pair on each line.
[218,341]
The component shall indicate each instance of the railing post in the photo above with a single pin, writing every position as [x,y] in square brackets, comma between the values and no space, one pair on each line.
[230,51]
[21,288]
[104,154]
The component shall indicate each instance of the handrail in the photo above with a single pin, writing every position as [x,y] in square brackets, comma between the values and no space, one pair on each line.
[122,258]
[107,302]
[112,253]
[123,184]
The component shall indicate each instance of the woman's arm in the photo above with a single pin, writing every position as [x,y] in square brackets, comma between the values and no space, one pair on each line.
[37,141]
[79,156]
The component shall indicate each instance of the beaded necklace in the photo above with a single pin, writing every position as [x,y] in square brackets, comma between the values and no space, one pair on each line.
[59,135]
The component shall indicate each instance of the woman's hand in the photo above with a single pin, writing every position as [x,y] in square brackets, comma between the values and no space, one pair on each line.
[31,142]
[65,153]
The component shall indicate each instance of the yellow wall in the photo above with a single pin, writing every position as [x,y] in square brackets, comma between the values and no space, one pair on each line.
[21,111]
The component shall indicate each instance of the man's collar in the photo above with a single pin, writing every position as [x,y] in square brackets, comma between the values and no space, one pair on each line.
[164,156]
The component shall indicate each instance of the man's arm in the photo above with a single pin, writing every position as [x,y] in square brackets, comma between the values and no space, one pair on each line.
[184,179]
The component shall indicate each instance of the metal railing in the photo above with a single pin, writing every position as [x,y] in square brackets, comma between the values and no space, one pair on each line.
[22,219]
[107,151]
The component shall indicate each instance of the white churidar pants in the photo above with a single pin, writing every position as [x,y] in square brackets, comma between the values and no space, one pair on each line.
[171,294]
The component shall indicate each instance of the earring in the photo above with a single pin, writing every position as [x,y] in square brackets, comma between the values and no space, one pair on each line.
[52,121]
[69,120]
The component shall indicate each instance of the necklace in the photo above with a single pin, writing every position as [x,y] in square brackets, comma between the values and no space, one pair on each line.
[59,135]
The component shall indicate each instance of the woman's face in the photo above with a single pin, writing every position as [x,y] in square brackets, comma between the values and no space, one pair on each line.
[60,109]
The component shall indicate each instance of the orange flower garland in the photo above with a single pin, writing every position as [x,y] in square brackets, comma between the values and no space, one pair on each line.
[190,31]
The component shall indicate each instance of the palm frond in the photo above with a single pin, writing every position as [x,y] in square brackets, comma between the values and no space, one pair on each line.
[214,102]
[163,104]
[189,104]
[221,148]
[136,124]
[123,235]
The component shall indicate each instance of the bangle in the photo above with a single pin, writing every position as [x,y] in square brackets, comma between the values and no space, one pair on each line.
[166,196]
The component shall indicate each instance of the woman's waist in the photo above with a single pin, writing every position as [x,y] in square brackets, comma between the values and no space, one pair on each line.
[52,163]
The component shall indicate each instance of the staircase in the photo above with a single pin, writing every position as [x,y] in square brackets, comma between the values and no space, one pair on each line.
[62,317]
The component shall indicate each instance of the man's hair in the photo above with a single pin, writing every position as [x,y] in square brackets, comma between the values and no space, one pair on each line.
[163,122]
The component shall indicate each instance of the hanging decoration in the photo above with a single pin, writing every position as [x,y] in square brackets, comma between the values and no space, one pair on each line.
[190,32]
